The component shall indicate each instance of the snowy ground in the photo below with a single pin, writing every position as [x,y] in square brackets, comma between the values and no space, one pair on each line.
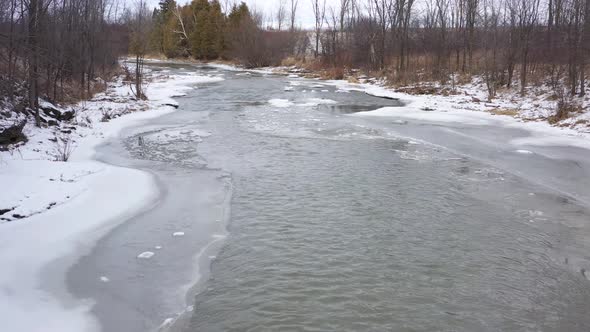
[52,210]
[536,107]
[468,109]
[466,104]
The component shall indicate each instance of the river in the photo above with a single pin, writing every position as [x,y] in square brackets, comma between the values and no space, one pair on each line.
[283,209]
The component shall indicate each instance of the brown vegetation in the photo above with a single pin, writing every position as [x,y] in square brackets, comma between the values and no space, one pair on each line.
[566,106]
[506,42]
[57,49]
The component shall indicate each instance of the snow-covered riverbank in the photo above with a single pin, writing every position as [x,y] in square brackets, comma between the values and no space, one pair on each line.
[54,211]
[462,109]
[460,101]
[465,103]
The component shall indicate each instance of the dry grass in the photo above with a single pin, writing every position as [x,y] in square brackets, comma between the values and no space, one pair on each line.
[565,107]
[334,73]
[290,62]
[420,90]
[353,79]
[63,149]
[505,111]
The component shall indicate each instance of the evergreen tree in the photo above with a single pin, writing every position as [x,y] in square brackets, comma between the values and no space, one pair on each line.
[162,17]
[217,27]
[166,6]
[238,14]
[200,10]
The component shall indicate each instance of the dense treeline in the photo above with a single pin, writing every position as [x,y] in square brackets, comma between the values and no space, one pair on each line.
[57,48]
[505,41]
[204,31]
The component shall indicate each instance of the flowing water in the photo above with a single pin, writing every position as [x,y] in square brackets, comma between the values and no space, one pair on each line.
[306,217]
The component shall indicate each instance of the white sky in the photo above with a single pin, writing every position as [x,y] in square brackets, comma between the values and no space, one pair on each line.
[304,11]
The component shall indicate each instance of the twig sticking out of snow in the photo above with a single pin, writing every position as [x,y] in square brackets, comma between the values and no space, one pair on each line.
[63,149]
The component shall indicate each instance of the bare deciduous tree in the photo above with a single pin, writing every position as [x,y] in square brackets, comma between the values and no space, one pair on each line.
[319,13]
[293,13]
[140,26]
[281,14]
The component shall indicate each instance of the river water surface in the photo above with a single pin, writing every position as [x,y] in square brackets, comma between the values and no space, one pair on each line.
[299,215]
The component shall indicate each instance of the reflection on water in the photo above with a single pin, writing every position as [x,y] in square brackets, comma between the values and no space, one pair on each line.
[353,108]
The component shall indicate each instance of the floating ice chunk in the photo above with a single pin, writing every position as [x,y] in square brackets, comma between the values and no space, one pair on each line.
[167,322]
[288,88]
[310,102]
[176,234]
[401,122]
[212,257]
[524,151]
[280,102]
[146,255]
[535,213]
[190,308]
[219,236]
[104,279]
[158,247]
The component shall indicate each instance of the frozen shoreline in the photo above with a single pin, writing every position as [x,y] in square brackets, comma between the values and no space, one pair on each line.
[467,107]
[447,109]
[60,209]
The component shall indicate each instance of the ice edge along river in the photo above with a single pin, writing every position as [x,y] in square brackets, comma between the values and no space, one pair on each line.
[37,252]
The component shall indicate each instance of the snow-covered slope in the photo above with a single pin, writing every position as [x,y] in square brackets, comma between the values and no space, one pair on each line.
[54,211]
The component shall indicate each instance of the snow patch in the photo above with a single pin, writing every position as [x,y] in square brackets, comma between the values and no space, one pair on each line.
[310,102]
[54,214]
[410,112]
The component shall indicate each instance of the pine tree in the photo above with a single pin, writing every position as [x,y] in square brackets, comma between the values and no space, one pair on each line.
[161,35]
[216,30]
[200,10]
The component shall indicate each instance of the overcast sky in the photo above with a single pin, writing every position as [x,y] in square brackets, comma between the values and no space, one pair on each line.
[304,11]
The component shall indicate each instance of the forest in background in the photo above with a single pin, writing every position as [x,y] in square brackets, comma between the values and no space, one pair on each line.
[58,50]
[507,42]
[65,50]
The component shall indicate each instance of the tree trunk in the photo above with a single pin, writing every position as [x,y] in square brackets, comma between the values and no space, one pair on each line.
[523,70]
[33,59]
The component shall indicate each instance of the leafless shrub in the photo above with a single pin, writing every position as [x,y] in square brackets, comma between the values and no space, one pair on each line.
[63,149]
[566,105]
[289,61]
[107,115]
[335,73]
